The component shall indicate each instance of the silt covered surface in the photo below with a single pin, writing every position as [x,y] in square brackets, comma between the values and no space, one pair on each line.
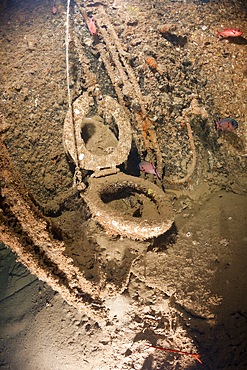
[185,290]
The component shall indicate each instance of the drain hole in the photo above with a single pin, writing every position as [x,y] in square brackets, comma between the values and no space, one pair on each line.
[87,131]
[135,204]
[124,200]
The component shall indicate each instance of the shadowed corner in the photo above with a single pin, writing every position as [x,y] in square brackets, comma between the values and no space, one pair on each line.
[176,40]
[238,40]
[162,242]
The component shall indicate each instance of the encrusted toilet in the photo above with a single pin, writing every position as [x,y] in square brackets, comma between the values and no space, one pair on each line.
[93,146]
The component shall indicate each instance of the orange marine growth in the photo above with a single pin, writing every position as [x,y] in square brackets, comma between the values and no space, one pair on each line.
[166,29]
[152,63]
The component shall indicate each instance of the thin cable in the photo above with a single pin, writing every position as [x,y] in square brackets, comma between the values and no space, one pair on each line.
[67,53]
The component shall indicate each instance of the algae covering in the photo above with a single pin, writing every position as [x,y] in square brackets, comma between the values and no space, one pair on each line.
[173,77]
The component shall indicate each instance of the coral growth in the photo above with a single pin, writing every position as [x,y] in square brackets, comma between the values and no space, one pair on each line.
[152,63]
[166,29]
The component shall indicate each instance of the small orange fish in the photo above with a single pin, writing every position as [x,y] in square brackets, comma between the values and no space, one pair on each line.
[227,124]
[148,168]
[54,10]
[92,27]
[232,32]
[152,63]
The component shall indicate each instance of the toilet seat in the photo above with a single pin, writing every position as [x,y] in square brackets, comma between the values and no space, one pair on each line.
[87,160]
[113,220]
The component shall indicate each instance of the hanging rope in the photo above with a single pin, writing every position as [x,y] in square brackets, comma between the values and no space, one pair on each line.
[67,54]
[77,182]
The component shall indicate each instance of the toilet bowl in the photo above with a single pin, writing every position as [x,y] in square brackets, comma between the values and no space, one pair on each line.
[122,204]
[157,210]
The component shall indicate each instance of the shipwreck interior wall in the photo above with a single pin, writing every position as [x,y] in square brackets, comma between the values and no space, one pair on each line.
[160,261]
